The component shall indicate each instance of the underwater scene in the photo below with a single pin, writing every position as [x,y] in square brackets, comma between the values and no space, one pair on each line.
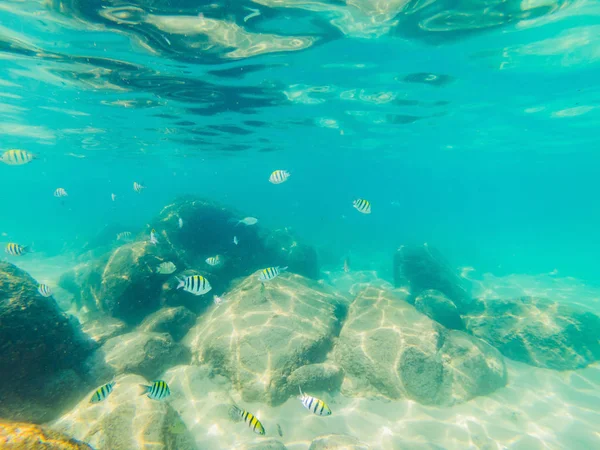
[299,224]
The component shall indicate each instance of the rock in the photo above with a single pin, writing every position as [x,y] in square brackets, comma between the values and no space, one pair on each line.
[27,436]
[40,346]
[127,421]
[539,332]
[140,352]
[175,321]
[84,282]
[337,442]
[421,268]
[351,283]
[267,444]
[264,332]
[315,377]
[440,308]
[287,251]
[101,328]
[387,348]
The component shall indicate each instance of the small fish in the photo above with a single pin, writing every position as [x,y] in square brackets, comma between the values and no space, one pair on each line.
[347,265]
[235,240]
[113,197]
[157,391]
[249,418]
[362,205]
[213,260]
[60,192]
[17,157]
[102,392]
[279,430]
[279,176]
[166,268]
[180,223]
[270,272]
[16,249]
[218,300]
[137,187]
[153,239]
[194,284]
[248,221]
[123,235]
[314,405]
[44,290]
[255,13]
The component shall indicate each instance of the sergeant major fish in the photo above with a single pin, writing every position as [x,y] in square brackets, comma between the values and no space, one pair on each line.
[17,157]
[314,404]
[60,192]
[137,187]
[16,249]
[153,239]
[124,235]
[270,272]
[44,290]
[249,418]
[362,205]
[279,176]
[157,391]
[166,268]
[102,392]
[194,284]
[213,260]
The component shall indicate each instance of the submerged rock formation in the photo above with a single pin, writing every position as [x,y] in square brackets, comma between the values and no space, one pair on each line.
[421,268]
[388,348]
[265,332]
[27,436]
[127,421]
[41,351]
[337,442]
[175,321]
[440,308]
[537,331]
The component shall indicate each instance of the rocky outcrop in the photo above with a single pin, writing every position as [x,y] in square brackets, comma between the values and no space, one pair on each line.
[176,321]
[539,332]
[27,436]
[265,332]
[440,308]
[287,251]
[140,352]
[127,421]
[337,442]
[41,351]
[420,268]
[387,348]
[101,327]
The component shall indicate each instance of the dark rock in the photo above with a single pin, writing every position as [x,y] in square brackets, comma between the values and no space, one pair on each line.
[440,308]
[421,268]
[176,321]
[316,377]
[40,346]
[537,331]
[287,251]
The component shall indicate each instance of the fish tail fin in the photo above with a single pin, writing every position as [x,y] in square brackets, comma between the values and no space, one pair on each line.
[144,389]
[301,393]
[235,413]
[181,283]
[281,269]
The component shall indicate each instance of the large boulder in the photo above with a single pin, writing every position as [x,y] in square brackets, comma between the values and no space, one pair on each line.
[265,332]
[27,436]
[288,251]
[140,352]
[387,348]
[440,308]
[539,332]
[176,321]
[41,351]
[337,442]
[100,327]
[419,268]
[127,421]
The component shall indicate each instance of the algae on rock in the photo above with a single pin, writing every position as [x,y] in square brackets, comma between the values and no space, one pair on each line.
[265,332]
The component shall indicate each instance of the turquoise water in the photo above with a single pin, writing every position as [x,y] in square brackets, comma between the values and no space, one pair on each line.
[471,126]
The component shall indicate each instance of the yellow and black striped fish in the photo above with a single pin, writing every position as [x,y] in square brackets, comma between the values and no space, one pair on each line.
[270,272]
[102,392]
[16,249]
[16,157]
[314,405]
[60,192]
[249,418]
[279,176]
[194,284]
[362,205]
[44,290]
[213,260]
[158,390]
[137,187]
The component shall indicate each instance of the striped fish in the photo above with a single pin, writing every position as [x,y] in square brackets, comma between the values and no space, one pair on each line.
[123,235]
[158,390]
[60,192]
[44,290]
[16,157]
[213,260]
[249,418]
[137,187]
[153,239]
[102,392]
[16,249]
[270,272]
[314,405]
[194,284]
[279,176]
[362,205]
